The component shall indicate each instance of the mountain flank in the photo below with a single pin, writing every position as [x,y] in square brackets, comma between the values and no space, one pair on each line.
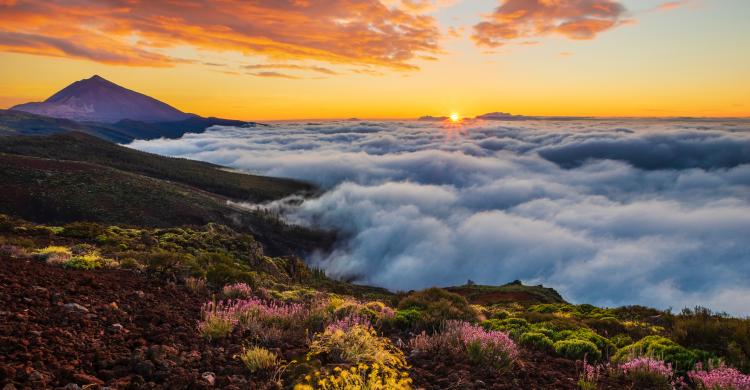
[98,100]
[104,109]
[64,178]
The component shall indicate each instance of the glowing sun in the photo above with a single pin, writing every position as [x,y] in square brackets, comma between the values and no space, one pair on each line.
[454,117]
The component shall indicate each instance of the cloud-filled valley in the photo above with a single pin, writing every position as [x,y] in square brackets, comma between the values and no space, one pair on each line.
[609,212]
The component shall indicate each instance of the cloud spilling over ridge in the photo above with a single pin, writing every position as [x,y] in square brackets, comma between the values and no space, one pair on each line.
[574,19]
[137,32]
[608,212]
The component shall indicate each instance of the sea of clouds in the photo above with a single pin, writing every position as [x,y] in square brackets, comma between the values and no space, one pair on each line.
[609,212]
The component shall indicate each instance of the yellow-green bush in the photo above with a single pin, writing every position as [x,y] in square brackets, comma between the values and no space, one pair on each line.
[577,349]
[513,326]
[259,359]
[360,377]
[436,305]
[662,348]
[86,262]
[605,347]
[357,344]
[54,254]
[536,340]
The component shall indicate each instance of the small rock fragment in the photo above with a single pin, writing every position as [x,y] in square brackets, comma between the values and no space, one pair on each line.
[76,307]
[209,377]
[116,328]
[87,379]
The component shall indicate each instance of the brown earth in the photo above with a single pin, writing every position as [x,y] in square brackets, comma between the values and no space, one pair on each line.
[129,332]
[123,330]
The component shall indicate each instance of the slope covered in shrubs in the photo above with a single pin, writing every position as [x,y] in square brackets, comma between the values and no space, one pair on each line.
[273,322]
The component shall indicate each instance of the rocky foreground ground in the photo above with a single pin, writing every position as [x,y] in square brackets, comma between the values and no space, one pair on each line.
[111,328]
[120,329]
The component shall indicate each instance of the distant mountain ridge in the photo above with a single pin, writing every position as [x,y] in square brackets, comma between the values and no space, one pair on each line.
[98,100]
[14,122]
[106,110]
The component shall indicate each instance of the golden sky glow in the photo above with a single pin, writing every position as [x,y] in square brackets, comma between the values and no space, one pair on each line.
[292,59]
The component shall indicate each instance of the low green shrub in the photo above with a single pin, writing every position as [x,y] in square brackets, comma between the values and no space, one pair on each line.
[221,274]
[85,262]
[605,347]
[577,349]
[258,359]
[163,262]
[436,305]
[407,319]
[513,326]
[606,325]
[130,263]
[83,230]
[536,340]
[621,340]
[662,348]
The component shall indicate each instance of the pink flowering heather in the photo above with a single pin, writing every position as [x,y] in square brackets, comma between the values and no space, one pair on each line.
[237,290]
[255,309]
[646,372]
[349,322]
[221,317]
[646,364]
[387,312]
[218,320]
[480,346]
[491,347]
[720,378]
[589,376]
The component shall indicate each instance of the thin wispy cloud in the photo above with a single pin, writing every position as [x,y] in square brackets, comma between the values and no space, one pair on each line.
[317,69]
[670,5]
[271,74]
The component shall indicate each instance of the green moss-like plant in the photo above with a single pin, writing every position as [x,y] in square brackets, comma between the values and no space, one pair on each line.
[659,347]
[513,326]
[536,341]
[577,349]
[606,347]
[437,305]
[86,262]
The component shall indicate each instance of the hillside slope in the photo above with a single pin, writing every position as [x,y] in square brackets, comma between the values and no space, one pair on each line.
[14,122]
[205,176]
[56,191]
[513,292]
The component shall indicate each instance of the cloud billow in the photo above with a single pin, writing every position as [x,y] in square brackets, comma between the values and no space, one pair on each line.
[141,33]
[524,19]
[608,212]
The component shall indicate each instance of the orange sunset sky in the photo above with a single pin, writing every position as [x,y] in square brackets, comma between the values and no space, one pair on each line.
[290,59]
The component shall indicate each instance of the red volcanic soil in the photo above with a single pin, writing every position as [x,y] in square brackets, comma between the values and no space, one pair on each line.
[109,328]
[532,371]
[72,329]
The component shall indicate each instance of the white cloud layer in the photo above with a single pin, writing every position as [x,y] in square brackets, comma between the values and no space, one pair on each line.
[607,212]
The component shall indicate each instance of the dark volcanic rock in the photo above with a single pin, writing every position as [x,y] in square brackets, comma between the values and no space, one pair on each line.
[46,345]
